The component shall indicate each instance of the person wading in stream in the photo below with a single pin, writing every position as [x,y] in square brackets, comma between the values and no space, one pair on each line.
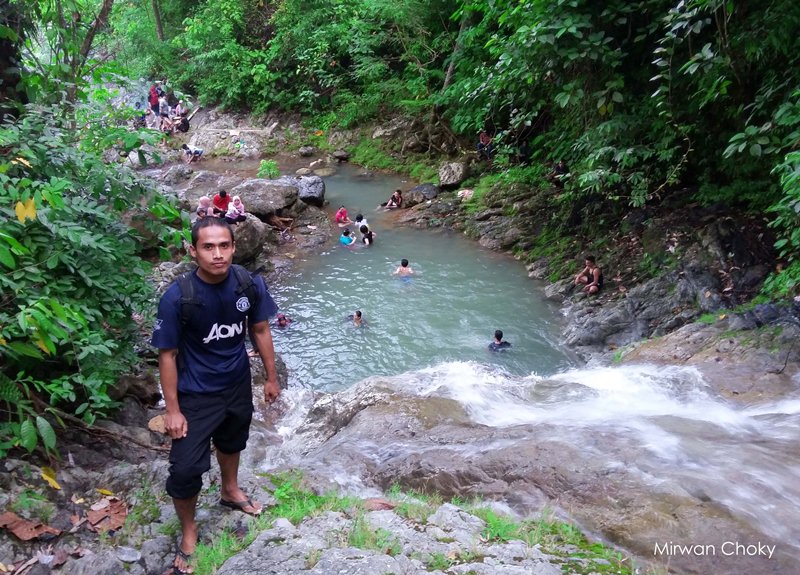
[205,374]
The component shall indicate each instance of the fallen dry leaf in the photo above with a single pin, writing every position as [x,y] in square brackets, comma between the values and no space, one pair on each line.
[378,504]
[24,529]
[109,518]
[102,491]
[49,475]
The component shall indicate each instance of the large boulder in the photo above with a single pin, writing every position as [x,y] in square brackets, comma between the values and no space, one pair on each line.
[264,197]
[341,155]
[250,236]
[307,151]
[310,189]
[420,194]
[452,174]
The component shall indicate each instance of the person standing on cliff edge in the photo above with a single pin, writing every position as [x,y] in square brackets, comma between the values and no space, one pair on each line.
[205,375]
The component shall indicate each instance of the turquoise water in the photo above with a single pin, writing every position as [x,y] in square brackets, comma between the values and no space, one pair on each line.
[459,294]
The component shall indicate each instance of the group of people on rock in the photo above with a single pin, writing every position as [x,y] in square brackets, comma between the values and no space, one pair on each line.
[166,112]
[222,206]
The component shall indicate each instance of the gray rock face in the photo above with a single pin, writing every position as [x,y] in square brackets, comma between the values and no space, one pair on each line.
[420,194]
[311,190]
[250,236]
[177,174]
[264,197]
[307,151]
[320,546]
[453,173]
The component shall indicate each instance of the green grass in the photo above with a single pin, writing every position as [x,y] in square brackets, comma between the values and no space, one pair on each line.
[33,505]
[363,536]
[368,153]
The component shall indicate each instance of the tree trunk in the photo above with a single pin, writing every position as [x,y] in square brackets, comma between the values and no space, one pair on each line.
[157,17]
[448,77]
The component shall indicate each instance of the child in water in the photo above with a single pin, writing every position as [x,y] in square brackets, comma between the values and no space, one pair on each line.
[346,239]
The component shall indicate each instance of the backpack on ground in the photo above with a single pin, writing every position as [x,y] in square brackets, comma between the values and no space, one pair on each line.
[190,303]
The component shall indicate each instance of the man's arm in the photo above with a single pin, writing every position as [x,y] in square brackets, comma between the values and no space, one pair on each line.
[263,340]
[174,421]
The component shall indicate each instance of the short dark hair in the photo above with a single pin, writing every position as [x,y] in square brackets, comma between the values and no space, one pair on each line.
[359,217]
[363,229]
[358,313]
[404,262]
[207,223]
[590,259]
[222,193]
[346,232]
[498,334]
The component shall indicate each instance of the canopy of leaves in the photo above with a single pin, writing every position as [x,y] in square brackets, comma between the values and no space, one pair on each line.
[73,219]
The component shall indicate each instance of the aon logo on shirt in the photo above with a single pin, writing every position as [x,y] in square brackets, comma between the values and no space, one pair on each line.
[224,331]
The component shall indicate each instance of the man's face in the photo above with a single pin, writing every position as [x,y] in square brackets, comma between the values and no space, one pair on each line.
[214,253]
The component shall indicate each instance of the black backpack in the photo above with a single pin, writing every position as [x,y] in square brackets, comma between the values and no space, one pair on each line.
[189,301]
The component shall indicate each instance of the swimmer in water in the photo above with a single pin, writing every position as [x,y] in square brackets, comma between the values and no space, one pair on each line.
[346,239]
[357,320]
[499,344]
[403,269]
[282,320]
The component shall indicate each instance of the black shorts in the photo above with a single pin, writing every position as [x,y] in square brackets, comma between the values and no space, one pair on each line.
[223,418]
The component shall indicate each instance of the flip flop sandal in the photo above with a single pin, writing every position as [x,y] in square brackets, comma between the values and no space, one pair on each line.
[187,558]
[240,506]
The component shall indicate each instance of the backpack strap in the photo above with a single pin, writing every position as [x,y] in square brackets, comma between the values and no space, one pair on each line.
[246,284]
[188,301]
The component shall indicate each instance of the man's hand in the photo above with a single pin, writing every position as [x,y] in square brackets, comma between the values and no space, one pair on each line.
[175,425]
[271,390]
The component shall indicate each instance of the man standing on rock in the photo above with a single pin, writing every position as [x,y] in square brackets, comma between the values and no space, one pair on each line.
[205,374]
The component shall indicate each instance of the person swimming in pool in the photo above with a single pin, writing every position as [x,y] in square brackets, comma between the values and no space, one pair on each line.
[499,344]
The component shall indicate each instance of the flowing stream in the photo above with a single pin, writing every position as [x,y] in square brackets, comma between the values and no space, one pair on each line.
[654,436]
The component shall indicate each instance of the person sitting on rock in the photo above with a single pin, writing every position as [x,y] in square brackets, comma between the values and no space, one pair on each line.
[485,147]
[204,208]
[236,212]
[395,200]
[341,216]
[560,170]
[220,203]
[591,276]
[499,343]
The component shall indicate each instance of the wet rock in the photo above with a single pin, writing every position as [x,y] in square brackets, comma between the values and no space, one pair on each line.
[452,174]
[341,155]
[420,194]
[311,190]
[304,172]
[307,151]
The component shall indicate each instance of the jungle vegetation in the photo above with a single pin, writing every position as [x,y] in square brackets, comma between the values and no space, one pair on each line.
[643,99]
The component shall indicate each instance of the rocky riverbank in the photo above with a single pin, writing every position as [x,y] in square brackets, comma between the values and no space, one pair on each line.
[113,517]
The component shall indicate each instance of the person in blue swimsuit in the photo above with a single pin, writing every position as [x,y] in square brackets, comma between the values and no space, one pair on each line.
[499,344]
[346,238]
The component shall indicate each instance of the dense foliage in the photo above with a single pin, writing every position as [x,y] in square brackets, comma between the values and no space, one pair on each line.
[72,219]
[642,99]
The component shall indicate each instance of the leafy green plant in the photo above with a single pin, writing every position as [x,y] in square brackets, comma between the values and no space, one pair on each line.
[268,169]
[71,270]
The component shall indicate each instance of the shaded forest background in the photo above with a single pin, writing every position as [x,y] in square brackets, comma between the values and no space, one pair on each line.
[650,103]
